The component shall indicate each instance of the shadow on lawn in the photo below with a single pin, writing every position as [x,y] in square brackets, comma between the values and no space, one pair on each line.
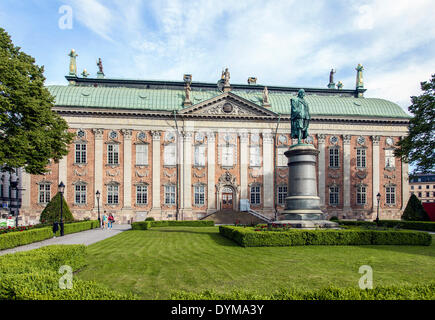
[215,236]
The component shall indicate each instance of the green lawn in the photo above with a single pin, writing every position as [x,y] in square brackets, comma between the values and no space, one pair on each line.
[152,263]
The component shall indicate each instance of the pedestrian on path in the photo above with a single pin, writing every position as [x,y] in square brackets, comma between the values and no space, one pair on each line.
[104,220]
[111,220]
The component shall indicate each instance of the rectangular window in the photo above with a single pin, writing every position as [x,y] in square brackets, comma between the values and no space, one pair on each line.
[390,195]
[389,159]
[361,158]
[80,153]
[255,195]
[80,194]
[141,154]
[334,195]
[282,194]
[112,194]
[361,195]
[142,194]
[170,194]
[199,192]
[199,156]
[169,155]
[113,154]
[334,158]
[412,187]
[254,156]
[227,156]
[44,193]
[281,159]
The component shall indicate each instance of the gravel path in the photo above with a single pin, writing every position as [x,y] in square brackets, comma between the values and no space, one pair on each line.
[85,237]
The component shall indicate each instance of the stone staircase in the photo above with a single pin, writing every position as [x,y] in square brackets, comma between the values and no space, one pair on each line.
[230,217]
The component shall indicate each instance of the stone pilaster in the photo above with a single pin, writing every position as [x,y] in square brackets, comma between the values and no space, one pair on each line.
[376,170]
[405,185]
[268,171]
[63,174]
[211,162]
[346,174]
[98,167]
[127,168]
[187,174]
[156,207]
[26,186]
[322,168]
[244,163]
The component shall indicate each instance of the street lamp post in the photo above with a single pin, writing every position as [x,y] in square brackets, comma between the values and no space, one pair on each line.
[378,197]
[97,194]
[61,190]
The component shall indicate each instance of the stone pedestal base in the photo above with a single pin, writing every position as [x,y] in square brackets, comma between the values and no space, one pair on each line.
[307,224]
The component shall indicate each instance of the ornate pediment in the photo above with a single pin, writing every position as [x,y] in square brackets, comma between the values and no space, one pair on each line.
[227,105]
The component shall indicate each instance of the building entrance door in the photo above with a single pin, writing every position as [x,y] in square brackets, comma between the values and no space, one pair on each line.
[227,201]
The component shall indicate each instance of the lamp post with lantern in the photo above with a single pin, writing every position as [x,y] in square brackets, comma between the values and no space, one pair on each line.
[378,197]
[97,194]
[61,190]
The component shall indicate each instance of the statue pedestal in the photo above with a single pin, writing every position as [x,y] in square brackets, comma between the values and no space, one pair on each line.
[302,204]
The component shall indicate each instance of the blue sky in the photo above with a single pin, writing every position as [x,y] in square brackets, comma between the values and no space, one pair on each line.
[287,43]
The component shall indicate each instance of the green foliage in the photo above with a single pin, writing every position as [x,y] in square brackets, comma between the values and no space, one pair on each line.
[414,210]
[145,225]
[32,133]
[406,292]
[34,275]
[419,146]
[149,219]
[247,237]
[334,218]
[51,211]
[15,239]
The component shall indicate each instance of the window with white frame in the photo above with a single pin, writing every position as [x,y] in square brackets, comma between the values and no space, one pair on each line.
[80,194]
[169,155]
[255,194]
[361,195]
[169,194]
[254,156]
[199,194]
[44,193]
[112,194]
[141,194]
[113,154]
[227,156]
[334,192]
[141,154]
[282,194]
[80,153]
[199,155]
[281,159]
[334,157]
[360,158]
[390,195]
[389,158]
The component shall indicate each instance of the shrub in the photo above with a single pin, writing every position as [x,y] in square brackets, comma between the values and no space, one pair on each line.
[414,210]
[33,275]
[145,225]
[51,212]
[142,225]
[334,218]
[149,219]
[405,292]
[401,224]
[247,237]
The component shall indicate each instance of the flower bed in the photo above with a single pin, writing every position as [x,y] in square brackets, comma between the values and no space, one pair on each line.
[249,237]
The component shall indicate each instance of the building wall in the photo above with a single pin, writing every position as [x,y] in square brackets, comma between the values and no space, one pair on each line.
[96,173]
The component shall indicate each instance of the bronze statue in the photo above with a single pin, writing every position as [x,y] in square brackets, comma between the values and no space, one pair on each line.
[226,77]
[100,65]
[72,63]
[331,76]
[300,117]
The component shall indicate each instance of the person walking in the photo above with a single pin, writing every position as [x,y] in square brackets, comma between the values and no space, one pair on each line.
[104,221]
[111,220]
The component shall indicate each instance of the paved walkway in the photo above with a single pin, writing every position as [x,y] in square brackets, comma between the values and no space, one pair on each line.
[85,237]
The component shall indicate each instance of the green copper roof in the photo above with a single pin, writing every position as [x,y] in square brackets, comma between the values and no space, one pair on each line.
[172,99]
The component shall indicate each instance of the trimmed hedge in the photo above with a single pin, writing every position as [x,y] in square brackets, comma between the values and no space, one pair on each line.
[247,237]
[34,275]
[405,292]
[15,239]
[145,225]
[411,225]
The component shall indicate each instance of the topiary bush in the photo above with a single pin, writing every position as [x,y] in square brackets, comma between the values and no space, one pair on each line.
[145,225]
[414,210]
[51,212]
[149,219]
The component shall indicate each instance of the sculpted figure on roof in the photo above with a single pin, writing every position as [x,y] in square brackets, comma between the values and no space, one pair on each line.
[226,77]
[300,116]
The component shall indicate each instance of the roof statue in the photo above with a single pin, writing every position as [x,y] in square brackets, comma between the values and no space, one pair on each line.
[266,96]
[85,73]
[331,84]
[100,73]
[226,77]
[72,63]
[339,85]
[187,90]
[300,116]
[359,77]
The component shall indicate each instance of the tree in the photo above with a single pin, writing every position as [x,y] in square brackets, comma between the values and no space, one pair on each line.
[31,133]
[414,210]
[419,146]
[51,212]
